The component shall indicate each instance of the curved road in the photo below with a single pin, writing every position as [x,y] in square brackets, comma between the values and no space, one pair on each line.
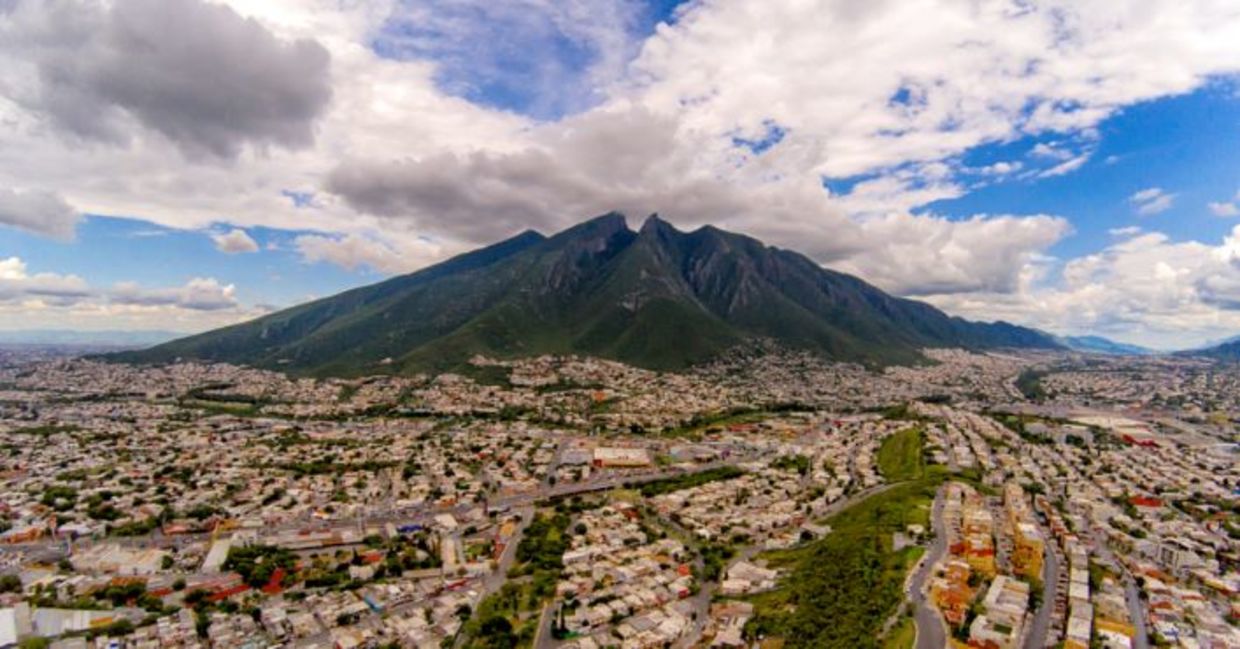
[931,630]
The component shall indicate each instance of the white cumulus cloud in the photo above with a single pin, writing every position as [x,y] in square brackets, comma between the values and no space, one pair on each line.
[234,242]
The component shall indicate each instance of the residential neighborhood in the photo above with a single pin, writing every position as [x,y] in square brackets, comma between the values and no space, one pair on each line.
[575,503]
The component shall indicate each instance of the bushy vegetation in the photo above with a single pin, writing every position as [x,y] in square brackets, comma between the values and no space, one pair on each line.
[1030,384]
[507,619]
[842,589]
[714,557]
[330,466]
[544,543]
[257,563]
[690,480]
[798,463]
[45,430]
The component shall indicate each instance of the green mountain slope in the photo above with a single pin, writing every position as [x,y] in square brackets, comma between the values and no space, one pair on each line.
[658,298]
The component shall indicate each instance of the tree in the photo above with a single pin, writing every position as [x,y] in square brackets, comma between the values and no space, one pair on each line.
[10,584]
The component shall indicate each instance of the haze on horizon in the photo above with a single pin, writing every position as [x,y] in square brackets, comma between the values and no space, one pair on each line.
[184,164]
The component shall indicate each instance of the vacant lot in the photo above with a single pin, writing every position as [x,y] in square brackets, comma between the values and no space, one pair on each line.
[900,458]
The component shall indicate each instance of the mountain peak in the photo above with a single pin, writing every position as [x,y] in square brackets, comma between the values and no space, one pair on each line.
[610,223]
[653,222]
[660,298]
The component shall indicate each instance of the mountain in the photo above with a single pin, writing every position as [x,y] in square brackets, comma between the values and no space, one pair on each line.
[1227,350]
[1100,345]
[658,298]
[1215,343]
[107,338]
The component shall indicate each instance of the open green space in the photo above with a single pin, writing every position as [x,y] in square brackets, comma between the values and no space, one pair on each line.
[900,456]
[839,591]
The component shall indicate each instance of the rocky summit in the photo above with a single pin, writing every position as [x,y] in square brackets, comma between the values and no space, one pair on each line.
[657,297]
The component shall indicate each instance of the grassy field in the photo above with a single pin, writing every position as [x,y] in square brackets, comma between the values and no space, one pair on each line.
[900,457]
[840,590]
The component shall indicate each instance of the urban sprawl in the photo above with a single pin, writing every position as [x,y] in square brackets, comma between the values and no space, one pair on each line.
[996,501]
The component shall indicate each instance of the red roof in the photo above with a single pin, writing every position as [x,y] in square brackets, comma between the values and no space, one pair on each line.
[272,586]
[1145,501]
[222,595]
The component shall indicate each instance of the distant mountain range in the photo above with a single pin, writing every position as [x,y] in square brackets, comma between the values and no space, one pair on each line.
[66,337]
[1100,345]
[657,298]
[1227,350]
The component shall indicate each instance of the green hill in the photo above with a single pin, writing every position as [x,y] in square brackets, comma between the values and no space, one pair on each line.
[657,298]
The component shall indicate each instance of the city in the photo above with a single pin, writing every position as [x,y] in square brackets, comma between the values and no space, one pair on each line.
[580,503]
[620,324]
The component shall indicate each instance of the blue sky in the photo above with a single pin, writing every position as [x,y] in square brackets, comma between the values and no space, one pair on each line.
[1187,145]
[112,250]
[1036,165]
[510,57]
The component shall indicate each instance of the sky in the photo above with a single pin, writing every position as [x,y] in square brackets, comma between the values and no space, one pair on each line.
[1072,165]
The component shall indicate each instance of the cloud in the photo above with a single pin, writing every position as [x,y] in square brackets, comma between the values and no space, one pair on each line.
[544,58]
[49,300]
[638,163]
[1066,167]
[234,242]
[1052,151]
[1223,209]
[17,285]
[43,213]
[1149,202]
[198,294]
[355,251]
[195,72]
[891,93]
[929,256]
[973,73]
[1144,288]
[1001,168]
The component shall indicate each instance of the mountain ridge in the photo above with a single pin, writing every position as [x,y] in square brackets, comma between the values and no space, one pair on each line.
[657,297]
[1101,345]
[1227,351]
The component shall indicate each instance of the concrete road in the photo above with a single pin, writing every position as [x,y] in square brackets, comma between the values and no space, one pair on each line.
[1039,626]
[1132,595]
[931,629]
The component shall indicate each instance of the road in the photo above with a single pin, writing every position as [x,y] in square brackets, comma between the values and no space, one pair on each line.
[1132,595]
[54,549]
[931,629]
[1035,636]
